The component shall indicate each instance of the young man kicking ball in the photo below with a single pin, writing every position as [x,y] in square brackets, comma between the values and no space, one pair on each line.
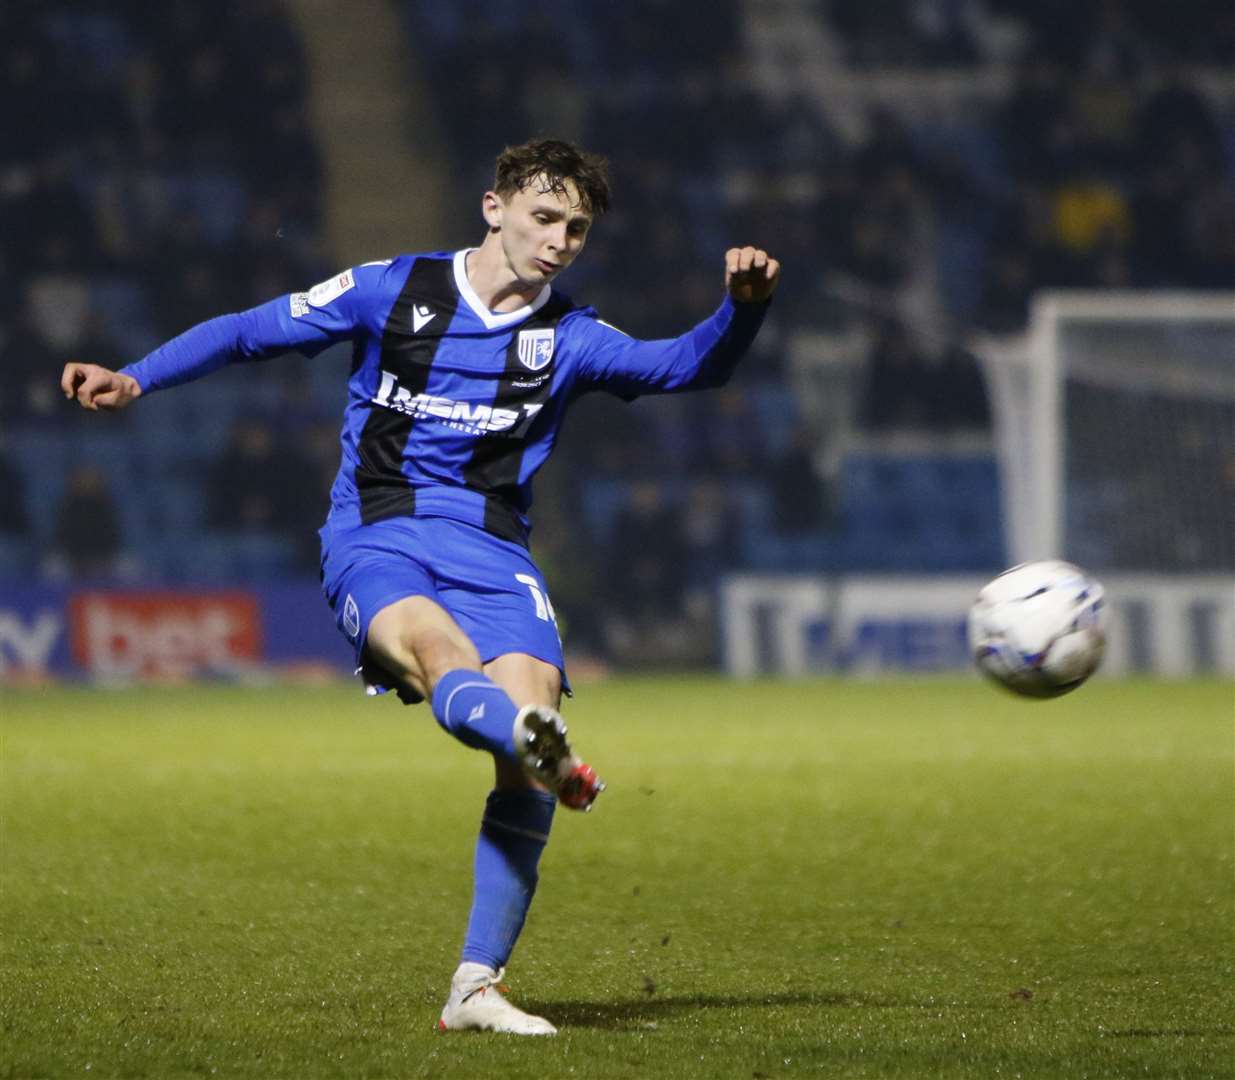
[464,365]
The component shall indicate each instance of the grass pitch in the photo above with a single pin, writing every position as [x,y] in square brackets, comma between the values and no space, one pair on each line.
[906,879]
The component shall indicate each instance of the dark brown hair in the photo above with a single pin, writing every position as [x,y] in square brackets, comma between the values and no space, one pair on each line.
[557,162]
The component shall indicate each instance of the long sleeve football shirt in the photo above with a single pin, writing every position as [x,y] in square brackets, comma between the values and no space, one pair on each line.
[451,407]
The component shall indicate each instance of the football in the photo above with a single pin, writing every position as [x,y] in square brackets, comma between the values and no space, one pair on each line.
[1039,628]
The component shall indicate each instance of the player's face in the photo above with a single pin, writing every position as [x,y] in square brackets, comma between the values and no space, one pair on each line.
[542,231]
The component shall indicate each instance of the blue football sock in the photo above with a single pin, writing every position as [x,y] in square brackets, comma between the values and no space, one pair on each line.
[476,711]
[513,833]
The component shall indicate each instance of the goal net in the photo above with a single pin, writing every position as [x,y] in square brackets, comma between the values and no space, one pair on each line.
[1115,429]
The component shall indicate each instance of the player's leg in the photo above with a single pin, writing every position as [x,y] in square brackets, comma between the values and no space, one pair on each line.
[422,600]
[419,643]
[415,639]
[513,833]
[497,595]
[388,605]
[540,733]
[527,679]
[528,683]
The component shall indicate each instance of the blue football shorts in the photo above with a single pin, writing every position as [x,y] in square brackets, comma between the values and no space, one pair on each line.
[489,586]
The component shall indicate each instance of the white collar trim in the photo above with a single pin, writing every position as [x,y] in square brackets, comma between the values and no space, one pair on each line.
[493,319]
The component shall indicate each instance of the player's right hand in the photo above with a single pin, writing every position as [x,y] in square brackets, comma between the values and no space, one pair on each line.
[98,387]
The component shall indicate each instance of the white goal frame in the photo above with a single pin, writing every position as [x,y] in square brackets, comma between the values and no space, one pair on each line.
[1025,377]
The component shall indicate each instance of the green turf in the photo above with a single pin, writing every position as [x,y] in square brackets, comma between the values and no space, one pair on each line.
[923,879]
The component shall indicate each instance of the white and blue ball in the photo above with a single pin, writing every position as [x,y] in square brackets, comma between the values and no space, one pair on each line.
[1039,628]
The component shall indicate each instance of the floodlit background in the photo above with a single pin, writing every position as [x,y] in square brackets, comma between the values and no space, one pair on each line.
[911,421]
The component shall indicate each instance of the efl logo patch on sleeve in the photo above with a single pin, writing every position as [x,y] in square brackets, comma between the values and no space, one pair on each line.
[331,289]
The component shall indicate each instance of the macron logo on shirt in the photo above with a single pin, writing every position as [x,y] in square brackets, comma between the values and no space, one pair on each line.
[422,315]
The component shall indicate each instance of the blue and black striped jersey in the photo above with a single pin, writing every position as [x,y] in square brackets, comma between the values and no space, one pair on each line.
[451,407]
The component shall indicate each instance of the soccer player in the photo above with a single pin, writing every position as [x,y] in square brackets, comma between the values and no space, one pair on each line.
[463,366]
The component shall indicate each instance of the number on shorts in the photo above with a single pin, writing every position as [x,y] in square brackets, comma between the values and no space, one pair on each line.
[544,607]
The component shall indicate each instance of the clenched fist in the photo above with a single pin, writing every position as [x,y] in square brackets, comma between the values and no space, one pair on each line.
[98,387]
[751,276]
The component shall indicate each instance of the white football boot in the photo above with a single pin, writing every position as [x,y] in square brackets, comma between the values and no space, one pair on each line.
[476,1004]
[544,753]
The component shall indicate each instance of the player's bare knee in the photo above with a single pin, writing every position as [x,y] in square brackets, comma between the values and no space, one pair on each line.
[550,680]
[418,641]
[527,679]
[438,652]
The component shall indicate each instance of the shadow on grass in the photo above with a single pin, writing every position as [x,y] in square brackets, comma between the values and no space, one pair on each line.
[638,1013]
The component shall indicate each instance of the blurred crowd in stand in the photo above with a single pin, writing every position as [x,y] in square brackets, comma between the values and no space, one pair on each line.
[159,168]
[141,191]
[1101,163]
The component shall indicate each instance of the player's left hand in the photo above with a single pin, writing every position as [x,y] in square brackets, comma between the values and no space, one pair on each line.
[751,275]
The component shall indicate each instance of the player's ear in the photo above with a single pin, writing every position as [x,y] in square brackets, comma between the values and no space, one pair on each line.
[491,206]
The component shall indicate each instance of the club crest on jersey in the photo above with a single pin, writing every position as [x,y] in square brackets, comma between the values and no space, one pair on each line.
[535,348]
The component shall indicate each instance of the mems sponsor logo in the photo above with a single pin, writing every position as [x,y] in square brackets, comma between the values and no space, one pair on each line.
[163,635]
[472,418]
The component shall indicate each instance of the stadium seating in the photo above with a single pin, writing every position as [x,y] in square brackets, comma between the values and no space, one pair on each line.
[181,205]
[896,513]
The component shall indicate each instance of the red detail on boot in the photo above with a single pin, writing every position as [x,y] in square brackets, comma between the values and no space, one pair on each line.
[581,787]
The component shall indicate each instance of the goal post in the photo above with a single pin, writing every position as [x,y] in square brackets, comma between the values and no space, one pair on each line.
[1115,431]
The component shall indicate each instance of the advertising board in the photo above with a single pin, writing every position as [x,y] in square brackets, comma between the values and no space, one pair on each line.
[122,634]
[799,625]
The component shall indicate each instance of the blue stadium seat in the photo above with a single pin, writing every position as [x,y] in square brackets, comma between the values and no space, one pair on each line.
[921,513]
[214,200]
[99,40]
[602,500]
[44,461]
[177,504]
[222,558]
[17,559]
[776,411]
[125,313]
